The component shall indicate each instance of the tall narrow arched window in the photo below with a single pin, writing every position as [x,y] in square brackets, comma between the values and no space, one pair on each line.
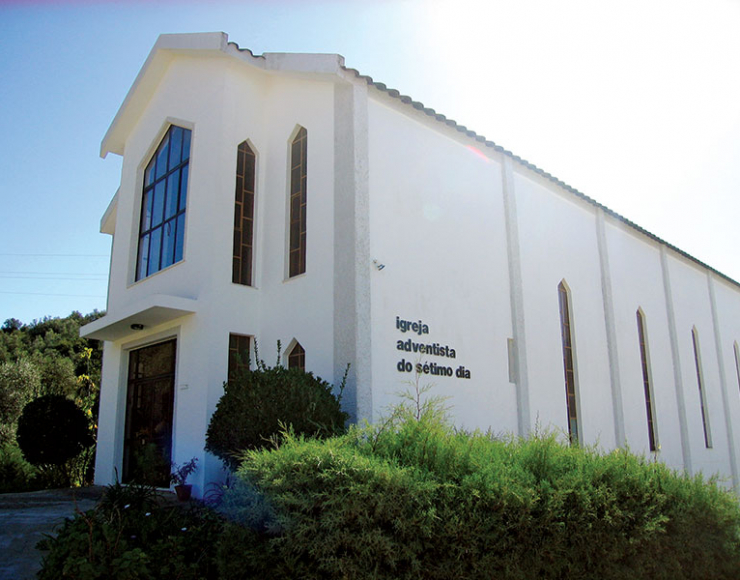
[162,221]
[566,332]
[297,220]
[736,348]
[241,271]
[702,395]
[646,381]
[297,357]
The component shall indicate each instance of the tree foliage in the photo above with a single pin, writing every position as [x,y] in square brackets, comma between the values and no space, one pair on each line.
[259,404]
[47,356]
[20,381]
[52,430]
[50,337]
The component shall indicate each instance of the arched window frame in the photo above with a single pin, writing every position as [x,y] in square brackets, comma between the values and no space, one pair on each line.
[736,349]
[295,356]
[160,242]
[569,363]
[240,346]
[647,381]
[702,390]
[297,202]
[244,222]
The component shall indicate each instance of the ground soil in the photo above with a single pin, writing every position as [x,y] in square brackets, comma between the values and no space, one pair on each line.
[25,518]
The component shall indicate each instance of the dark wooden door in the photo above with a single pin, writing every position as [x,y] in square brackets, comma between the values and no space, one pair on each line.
[147,451]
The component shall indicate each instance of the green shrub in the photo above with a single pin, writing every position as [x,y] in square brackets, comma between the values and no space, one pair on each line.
[131,534]
[258,405]
[52,430]
[16,474]
[20,382]
[416,499]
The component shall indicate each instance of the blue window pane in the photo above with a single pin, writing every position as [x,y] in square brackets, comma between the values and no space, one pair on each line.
[173,188]
[149,173]
[162,154]
[184,188]
[143,257]
[146,215]
[168,243]
[154,247]
[162,227]
[158,204]
[185,144]
[175,146]
[180,237]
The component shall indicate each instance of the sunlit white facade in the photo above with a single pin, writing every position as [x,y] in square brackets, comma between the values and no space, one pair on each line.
[397,241]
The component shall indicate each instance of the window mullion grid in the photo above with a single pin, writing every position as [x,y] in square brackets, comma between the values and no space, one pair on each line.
[652,438]
[569,371]
[702,399]
[146,264]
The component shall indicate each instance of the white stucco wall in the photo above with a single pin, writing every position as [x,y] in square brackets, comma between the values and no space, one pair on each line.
[638,283]
[437,224]
[224,103]
[558,243]
[472,243]
[692,309]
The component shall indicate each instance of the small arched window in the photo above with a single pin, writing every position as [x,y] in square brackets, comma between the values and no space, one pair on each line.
[566,332]
[297,357]
[238,355]
[297,215]
[648,387]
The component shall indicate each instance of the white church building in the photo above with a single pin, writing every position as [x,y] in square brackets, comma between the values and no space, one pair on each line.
[288,197]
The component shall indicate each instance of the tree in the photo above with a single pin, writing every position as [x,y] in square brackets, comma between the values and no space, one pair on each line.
[51,431]
[11,324]
[19,383]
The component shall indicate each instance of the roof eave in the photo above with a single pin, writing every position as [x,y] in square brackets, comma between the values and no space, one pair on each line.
[148,79]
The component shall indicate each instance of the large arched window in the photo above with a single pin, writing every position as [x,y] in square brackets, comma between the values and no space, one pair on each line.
[702,395]
[646,381]
[162,221]
[241,272]
[297,218]
[566,332]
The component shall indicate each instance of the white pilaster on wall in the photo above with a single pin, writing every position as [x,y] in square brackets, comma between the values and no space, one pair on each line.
[723,383]
[611,333]
[678,381]
[516,297]
[352,336]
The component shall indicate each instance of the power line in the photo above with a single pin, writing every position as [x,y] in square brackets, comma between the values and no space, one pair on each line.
[101,274]
[85,278]
[59,255]
[45,294]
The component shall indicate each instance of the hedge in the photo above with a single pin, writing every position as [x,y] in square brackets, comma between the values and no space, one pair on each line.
[416,499]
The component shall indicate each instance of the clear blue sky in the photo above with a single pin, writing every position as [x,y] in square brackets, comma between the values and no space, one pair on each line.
[635,103]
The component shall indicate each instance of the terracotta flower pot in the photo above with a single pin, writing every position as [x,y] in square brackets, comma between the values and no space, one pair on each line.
[183,491]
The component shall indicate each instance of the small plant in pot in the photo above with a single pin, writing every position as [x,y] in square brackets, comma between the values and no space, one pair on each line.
[179,476]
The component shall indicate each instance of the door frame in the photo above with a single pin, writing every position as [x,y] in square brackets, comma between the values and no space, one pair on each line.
[127,384]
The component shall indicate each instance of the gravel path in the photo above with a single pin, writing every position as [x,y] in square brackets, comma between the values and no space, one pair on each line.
[26,517]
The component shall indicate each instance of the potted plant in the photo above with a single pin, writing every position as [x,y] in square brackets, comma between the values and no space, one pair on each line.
[179,476]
